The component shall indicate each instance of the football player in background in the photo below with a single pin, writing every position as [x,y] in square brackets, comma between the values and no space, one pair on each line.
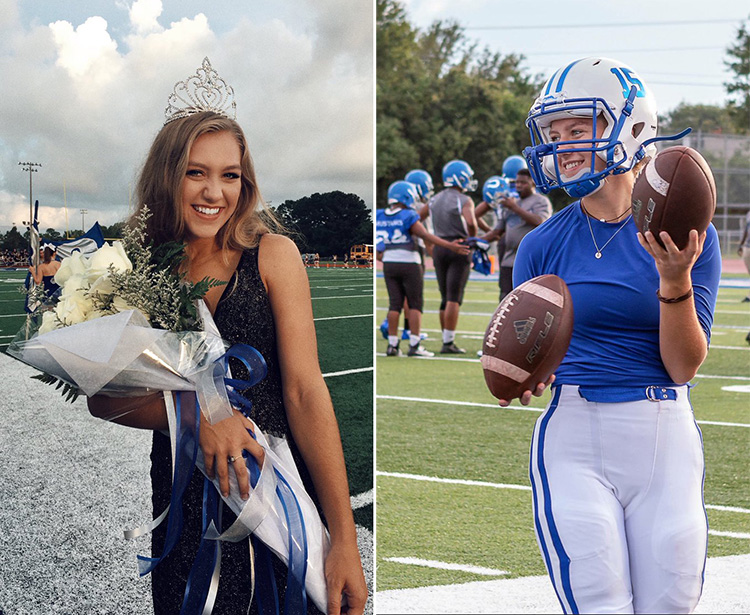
[452,214]
[519,215]
[616,458]
[397,228]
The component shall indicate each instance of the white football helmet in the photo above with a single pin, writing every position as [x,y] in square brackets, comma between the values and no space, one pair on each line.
[601,89]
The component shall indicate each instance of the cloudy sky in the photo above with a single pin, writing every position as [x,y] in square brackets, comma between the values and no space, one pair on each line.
[85,85]
[676,46]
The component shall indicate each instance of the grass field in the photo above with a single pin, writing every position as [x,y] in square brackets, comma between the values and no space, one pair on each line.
[453,494]
[342,308]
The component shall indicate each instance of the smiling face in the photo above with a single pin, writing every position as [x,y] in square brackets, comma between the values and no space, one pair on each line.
[212,183]
[574,163]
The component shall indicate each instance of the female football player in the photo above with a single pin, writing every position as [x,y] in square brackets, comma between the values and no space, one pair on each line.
[616,458]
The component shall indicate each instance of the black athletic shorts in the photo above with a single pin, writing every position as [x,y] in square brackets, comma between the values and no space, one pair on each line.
[452,271]
[403,280]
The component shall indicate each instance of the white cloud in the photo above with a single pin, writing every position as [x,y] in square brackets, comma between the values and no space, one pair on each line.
[88,108]
[144,15]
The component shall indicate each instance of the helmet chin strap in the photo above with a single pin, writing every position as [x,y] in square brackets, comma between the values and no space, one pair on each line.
[679,135]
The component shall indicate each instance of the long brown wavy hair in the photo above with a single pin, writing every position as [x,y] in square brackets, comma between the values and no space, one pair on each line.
[160,185]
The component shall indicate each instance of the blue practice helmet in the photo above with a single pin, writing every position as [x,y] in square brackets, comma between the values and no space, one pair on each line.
[512,165]
[403,192]
[495,189]
[458,173]
[423,181]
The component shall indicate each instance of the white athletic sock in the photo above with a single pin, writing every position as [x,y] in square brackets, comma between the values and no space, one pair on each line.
[414,340]
[393,340]
[448,336]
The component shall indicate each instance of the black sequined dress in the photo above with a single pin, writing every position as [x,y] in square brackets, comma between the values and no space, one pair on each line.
[243,315]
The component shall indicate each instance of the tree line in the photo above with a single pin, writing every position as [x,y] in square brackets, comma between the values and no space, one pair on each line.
[328,223]
[440,96]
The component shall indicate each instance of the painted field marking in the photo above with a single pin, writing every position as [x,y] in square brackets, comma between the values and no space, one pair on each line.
[361,499]
[730,534]
[11,315]
[340,317]
[348,371]
[428,563]
[427,400]
[737,388]
[346,286]
[479,483]
[714,346]
[344,297]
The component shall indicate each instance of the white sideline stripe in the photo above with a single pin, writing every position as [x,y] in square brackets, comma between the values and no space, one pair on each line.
[348,286]
[730,534]
[343,297]
[730,347]
[477,360]
[429,563]
[346,372]
[458,403]
[11,315]
[479,483]
[525,408]
[340,317]
[452,481]
[361,499]
[728,508]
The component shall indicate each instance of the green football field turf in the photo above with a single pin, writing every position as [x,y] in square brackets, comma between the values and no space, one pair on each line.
[342,309]
[452,466]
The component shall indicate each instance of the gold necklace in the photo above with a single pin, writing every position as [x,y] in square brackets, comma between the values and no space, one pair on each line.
[598,249]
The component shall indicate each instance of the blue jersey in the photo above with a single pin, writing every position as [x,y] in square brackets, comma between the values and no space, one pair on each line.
[616,310]
[393,234]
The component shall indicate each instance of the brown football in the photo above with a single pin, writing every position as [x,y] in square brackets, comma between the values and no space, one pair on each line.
[675,192]
[527,337]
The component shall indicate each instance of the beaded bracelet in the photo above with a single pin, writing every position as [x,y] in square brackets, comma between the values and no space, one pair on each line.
[687,295]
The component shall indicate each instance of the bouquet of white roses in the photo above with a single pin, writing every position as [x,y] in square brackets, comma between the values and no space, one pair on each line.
[126,322]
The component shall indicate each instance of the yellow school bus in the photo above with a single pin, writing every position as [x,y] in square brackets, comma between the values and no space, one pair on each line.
[361,254]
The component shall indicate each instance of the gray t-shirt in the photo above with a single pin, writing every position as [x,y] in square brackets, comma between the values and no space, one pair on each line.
[446,208]
[516,227]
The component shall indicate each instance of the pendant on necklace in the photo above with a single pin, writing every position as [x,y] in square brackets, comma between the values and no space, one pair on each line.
[598,255]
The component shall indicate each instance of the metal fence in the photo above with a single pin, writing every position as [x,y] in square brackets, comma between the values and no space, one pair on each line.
[729,157]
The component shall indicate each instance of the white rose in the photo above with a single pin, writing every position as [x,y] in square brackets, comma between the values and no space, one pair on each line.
[49,322]
[76,283]
[74,308]
[102,285]
[107,255]
[75,264]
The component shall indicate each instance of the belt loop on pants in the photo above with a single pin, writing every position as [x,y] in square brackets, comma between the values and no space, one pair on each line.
[624,394]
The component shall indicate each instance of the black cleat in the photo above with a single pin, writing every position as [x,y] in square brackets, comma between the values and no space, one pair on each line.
[392,351]
[451,349]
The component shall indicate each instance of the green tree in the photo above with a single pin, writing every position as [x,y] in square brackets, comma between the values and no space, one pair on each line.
[51,235]
[13,240]
[738,89]
[439,97]
[328,223]
[701,118]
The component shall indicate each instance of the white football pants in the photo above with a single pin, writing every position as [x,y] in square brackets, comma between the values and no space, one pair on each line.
[618,503]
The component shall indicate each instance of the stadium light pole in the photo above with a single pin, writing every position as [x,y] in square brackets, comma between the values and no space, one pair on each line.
[31,167]
[83,218]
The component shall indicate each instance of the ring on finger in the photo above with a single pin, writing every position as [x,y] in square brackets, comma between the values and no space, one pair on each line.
[232,458]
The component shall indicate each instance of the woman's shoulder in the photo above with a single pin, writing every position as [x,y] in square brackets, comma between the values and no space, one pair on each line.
[277,255]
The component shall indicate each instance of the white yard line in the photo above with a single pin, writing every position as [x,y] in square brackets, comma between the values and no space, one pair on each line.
[429,563]
[343,297]
[450,402]
[361,499]
[346,372]
[341,317]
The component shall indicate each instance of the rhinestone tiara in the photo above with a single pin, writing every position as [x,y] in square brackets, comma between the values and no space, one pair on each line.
[204,91]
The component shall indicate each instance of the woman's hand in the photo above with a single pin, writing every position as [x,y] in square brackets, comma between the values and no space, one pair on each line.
[229,438]
[526,396]
[344,575]
[674,265]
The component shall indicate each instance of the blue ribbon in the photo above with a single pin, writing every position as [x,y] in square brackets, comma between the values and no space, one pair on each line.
[188,424]
[207,561]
